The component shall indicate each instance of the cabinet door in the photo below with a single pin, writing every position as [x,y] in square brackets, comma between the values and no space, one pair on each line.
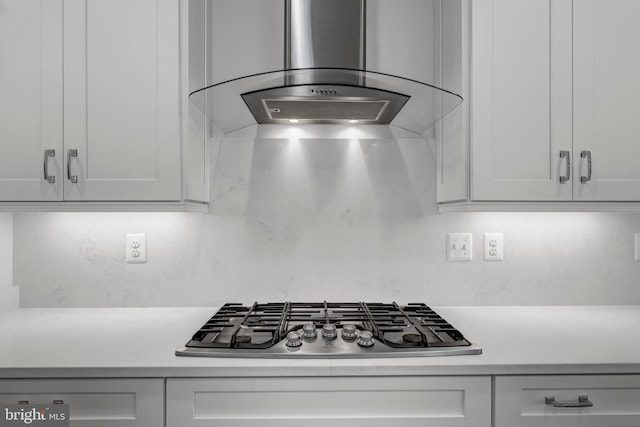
[520,401]
[521,99]
[606,95]
[30,99]
[94,402]
[340,402]
[122,99]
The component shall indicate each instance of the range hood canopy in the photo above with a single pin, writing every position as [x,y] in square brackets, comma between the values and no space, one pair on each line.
[324,80]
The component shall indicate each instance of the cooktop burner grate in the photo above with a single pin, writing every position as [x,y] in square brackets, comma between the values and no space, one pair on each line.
[326,329]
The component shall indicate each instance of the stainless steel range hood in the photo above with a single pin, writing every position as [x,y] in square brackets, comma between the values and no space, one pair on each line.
[325,80]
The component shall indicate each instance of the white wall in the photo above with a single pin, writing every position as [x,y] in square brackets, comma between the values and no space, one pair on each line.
[6,249]
[334,219]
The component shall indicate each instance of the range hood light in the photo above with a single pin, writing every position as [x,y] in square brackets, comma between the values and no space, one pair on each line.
[353,122]
[294,121]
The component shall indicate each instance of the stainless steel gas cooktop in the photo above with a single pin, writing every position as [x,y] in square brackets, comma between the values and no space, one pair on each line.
[327,330]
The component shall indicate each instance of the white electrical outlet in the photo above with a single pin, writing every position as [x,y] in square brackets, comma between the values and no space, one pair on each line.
[493,247]
[136,248]
[459,246]
[636,241]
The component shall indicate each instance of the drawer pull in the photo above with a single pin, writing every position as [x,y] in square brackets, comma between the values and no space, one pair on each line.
[55,402]
[583,402]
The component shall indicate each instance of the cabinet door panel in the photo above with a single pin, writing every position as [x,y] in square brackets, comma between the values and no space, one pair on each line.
[94,402]
[122,99]
[606,91]
[30,99]
[521,99]
[352,402]
[520,401]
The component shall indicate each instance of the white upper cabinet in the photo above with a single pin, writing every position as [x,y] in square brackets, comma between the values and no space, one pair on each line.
[31,100]
[606,72]
[521,99]
[552,77]
[92,100]
[122,99]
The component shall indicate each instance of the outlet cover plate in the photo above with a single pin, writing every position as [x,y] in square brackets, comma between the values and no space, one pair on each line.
[493,247]
[136,248]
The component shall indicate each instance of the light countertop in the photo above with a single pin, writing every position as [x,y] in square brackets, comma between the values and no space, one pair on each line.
[140,342]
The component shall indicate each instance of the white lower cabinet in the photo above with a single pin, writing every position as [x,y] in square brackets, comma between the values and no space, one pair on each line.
[413,401]
[559,401]
[336,401]
[94,402]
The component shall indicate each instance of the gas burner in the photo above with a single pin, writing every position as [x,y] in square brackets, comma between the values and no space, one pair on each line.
[412,338]
[326,329]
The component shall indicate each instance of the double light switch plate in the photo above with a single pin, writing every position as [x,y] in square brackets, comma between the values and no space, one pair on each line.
[459,246]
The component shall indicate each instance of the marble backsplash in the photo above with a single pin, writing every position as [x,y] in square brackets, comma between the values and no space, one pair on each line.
[340,219]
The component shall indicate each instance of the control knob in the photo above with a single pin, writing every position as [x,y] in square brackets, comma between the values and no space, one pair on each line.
[349,331]
[293,339]
[329,331]
[365,339]
[309,331]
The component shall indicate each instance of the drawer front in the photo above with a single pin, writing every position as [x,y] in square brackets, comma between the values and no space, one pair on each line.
[340,402]
[522,401]
[95,403]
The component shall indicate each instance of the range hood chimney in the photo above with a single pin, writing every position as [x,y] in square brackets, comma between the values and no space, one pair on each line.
[325,80]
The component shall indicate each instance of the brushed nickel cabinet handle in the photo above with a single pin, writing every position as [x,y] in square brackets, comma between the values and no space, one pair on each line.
[587,154]
[48,153]
[566,155]
[583,402]
[71,153]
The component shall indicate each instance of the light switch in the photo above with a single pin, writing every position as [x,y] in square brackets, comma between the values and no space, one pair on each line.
[459,246]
